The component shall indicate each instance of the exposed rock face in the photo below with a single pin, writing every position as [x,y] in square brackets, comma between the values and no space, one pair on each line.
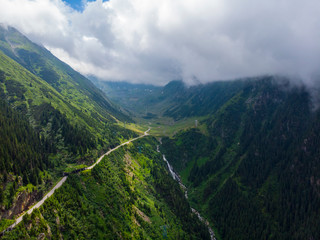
[22,202]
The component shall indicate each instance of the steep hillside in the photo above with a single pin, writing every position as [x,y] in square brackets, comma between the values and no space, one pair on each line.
[23,163]
[68,109]
[77,90]
[255,174]
[47,127]
[129,195]
[68,124]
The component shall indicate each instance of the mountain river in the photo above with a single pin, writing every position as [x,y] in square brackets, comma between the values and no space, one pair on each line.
[176,177]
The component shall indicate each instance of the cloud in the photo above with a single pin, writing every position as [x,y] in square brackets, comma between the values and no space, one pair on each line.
[158,41]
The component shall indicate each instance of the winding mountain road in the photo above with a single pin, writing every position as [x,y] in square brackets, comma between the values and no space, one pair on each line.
[110,151]
[61,182]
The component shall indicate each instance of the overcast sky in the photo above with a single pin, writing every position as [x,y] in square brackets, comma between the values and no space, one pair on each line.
[154,42]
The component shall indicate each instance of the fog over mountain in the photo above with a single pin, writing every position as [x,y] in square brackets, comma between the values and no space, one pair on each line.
[145,41]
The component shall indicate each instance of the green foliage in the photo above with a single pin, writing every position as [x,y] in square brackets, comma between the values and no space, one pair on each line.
[22,153]
[258,179]
[128,195]
[51,118]
[5,223]
[77,139]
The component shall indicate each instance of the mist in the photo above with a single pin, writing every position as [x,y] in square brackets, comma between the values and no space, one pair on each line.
[198,41]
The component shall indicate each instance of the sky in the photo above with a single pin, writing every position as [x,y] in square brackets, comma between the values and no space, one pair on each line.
[78,5]
[198,41]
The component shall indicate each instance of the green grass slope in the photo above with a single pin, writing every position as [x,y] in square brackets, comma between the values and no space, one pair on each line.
[48,110]
[69,83]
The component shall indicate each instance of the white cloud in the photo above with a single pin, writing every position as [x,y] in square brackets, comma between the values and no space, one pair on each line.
[157,41]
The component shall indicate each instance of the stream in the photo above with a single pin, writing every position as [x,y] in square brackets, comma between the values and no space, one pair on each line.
[176,177]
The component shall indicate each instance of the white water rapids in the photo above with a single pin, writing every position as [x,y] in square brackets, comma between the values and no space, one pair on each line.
[176,177]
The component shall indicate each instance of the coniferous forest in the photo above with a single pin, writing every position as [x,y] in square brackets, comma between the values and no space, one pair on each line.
[23,153]
[254,172]
[95,157]
[54,123]
[128,196]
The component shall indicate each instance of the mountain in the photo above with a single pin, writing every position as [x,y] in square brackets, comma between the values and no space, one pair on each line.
[52,119]
[255,172]
[175,100]
[69,83]
[134,98]
[54,122]
[251,165]
[47,90]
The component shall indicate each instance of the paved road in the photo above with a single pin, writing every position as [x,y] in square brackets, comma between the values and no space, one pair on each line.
[110,151]
[38,204]
[60,183]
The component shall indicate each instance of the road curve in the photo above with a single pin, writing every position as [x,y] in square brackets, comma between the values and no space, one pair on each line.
[61,182]
[111,150]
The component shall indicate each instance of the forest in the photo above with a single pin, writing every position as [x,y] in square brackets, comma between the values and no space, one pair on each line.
[53,120]
[23,154]
[251,165]
[129,195]
[254,174]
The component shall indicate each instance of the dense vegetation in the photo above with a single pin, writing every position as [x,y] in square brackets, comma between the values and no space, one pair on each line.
[22,153]
[129,195]
[251,167]
[255,173]
[52,120]
[64,107]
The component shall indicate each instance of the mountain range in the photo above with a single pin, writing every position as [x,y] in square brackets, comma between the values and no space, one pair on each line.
[246,155]
[55,121]
[251,164]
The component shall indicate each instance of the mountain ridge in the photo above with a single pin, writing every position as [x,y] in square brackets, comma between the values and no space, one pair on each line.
[71,119]
[255,169]
[55,123]
[250,164]
[59,75]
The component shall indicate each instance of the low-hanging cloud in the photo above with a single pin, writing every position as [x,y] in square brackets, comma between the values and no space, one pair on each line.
[157,41]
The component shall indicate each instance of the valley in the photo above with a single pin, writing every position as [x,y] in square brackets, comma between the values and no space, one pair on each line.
[93,159]
[54,123]
[250,150]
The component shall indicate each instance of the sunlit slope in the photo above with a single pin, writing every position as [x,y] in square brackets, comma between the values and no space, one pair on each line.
[74,87]
[26,92]
[61,124]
